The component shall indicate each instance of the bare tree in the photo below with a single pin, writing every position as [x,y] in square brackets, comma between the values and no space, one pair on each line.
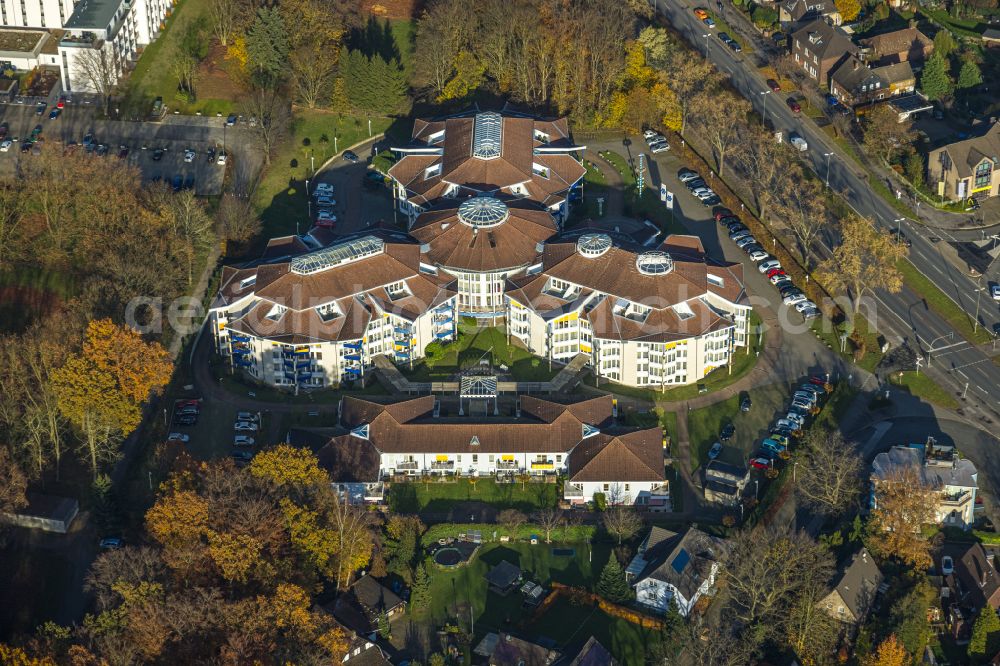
[98,68]
[864,262]
[13,483]
[238,221]
[183,67]
[722,119]
[802,209]
[829,473]
[810,630]
[762,160]
[549,519]
[622,522]
[511,520]
[227,18]
[270,117]
[689,78]
[312,74]
[766,570]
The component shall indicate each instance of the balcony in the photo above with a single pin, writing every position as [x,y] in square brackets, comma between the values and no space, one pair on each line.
[572,492]
[956,499]
[544,465]
[507,465]
[408,465]
[443,465]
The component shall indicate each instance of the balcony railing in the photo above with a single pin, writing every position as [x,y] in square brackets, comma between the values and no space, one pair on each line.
[507,464]
[407,465]
[542,464]
[956,499]
[572,492]
[443,464]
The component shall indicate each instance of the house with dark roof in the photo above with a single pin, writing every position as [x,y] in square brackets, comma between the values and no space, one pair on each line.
[854,590]
[593,654]
[973,581]
[503,577]
[967,169]
[794,13]
[646,316]
[627,468]
[905,45]
[485,152]
[509,650]
[354,470]
[819,48]
[359,607]
[675,567]
[724,482]
[854,83]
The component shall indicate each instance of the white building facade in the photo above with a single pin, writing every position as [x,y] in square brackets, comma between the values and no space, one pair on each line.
[50,14]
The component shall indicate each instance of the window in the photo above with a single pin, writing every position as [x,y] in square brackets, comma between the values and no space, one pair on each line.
[716,280]
[327,312]
[475,458]
[606,487]
[432,171]
[436,137]
[274,314]
[983,174]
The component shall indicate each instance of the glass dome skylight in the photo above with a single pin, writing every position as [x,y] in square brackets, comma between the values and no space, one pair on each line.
[593,245]
[483,212]
[486,131]
[654,263]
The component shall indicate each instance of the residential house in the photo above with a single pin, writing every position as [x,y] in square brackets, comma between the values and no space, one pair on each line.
[854,83]
[593,654]
[360,607]
[363,652]
[991,38]
[681,567]
[954,480]
[509,650]
[854,591]
[724,483]
[906,45]
[967,169]
[974,582]
[818,48]
[793,14]
[48,513]
[353,470]
[627,468]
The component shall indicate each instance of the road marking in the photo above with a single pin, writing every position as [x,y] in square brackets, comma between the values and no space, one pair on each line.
[982,389]
[962,373]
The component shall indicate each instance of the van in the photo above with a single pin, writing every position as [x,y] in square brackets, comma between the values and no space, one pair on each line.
[798,142]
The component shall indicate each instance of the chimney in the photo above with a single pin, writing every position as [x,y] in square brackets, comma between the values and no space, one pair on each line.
[857,63]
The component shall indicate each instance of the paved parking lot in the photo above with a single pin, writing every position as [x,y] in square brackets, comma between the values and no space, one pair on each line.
[76,121]
[358,204]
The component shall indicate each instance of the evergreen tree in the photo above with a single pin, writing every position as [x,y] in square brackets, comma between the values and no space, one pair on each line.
[857,530]
[985,641]
[389,85]
[969,76]
[612,585]
[267,47]
[935,81]
[944,43]
[384,628]
[420,593]
[915,168]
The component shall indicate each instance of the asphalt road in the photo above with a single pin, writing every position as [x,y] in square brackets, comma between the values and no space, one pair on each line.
[907,317]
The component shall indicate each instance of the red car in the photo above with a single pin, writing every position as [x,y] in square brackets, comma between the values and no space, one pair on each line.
[721,213]
[818,381]
[760,463]
[775,271]
[793,105]
[188,403]
[773,85]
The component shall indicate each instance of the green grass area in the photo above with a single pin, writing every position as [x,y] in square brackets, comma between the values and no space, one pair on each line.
[925,388]
[938,301]
[476,343]
[403,33]
[649,207]
[417,496]
[704,425]
[621,166]
[152,78]
[281,197]
[960,27]
[577,533]
[458,593]
[830,336]
[836,406]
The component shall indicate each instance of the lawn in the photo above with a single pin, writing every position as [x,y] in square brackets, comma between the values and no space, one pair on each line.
[961,27]
[316,136]
[570,626]
[830,336]
[925,388]
[938,301]
[474,344]
[649,207]
[152,78]
[414,497]
[621,166]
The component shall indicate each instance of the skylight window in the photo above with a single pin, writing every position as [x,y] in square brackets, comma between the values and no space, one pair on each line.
[716,280]
[683,311]
[248,282]
[274,314]
[336,255]
[328,311]
[486,135]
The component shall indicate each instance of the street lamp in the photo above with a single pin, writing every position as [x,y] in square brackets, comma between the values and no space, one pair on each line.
[975,322]
[827,156]
[763,113]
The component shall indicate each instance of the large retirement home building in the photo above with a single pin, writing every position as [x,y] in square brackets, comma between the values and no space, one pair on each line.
[384,440]
[486,193]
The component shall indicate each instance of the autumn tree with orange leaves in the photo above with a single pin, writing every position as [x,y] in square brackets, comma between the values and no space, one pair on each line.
[101,389]
[889,652]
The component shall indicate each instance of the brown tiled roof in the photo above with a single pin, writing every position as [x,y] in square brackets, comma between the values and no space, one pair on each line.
[833,42]
[615,274]
[897,41]
[634,456]
[284,246]
[512,167]
[966,155]
[511,244]
[405,427]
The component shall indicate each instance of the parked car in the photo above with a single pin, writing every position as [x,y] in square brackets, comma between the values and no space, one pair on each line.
[995,292]
[222,157]
[805,305]
[242,440]
[713,200]
[325,219]
[252,417]
[112,543]
[245,426]
[189,155]
[54,113]
[187,420]
[242,457]
[323,189]
[686,175]
[714,452]
[807,396]
[178,437]
[794,298]
[735,46]
[700,13]
[177,182]
[772,446]
[723,212]
[709,22]
[746,404]
[210,154]
[187,409]
[779,280]
[654,137]
[773,85]
[810,313]
[801,404]
[761,463]
[5,145]
[793,105]
[727,432]
[798,142]
[768,265]
[724,36]
[231,120]
[947,565]
[659,147]
[40,109]
[649,134]
[795,418]
[757,254]
[350,156]
[157,154]
[745,241]
[122,151]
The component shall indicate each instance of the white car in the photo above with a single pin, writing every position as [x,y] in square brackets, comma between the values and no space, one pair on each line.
[746,240]
[795,418]
[701,191]
[326,219]
[5,146]
[947,565]
[795,299]
[650,134]
[811,313]
[768,265]
[245,426]
[688,176]
[659,147]
[178,437]
[242,440]
[758,255]
[994,290]
[189,155]
[247,416]
[323,189]
[222,158]
[805,305]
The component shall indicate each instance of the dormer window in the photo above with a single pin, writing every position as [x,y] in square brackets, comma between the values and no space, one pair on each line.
[683,311]
[328,312]
[716,280]
[398,290]
[432,171]
[276,311]
[629,310]
[539,170]
[248,282]
[436,137]
[541,136]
